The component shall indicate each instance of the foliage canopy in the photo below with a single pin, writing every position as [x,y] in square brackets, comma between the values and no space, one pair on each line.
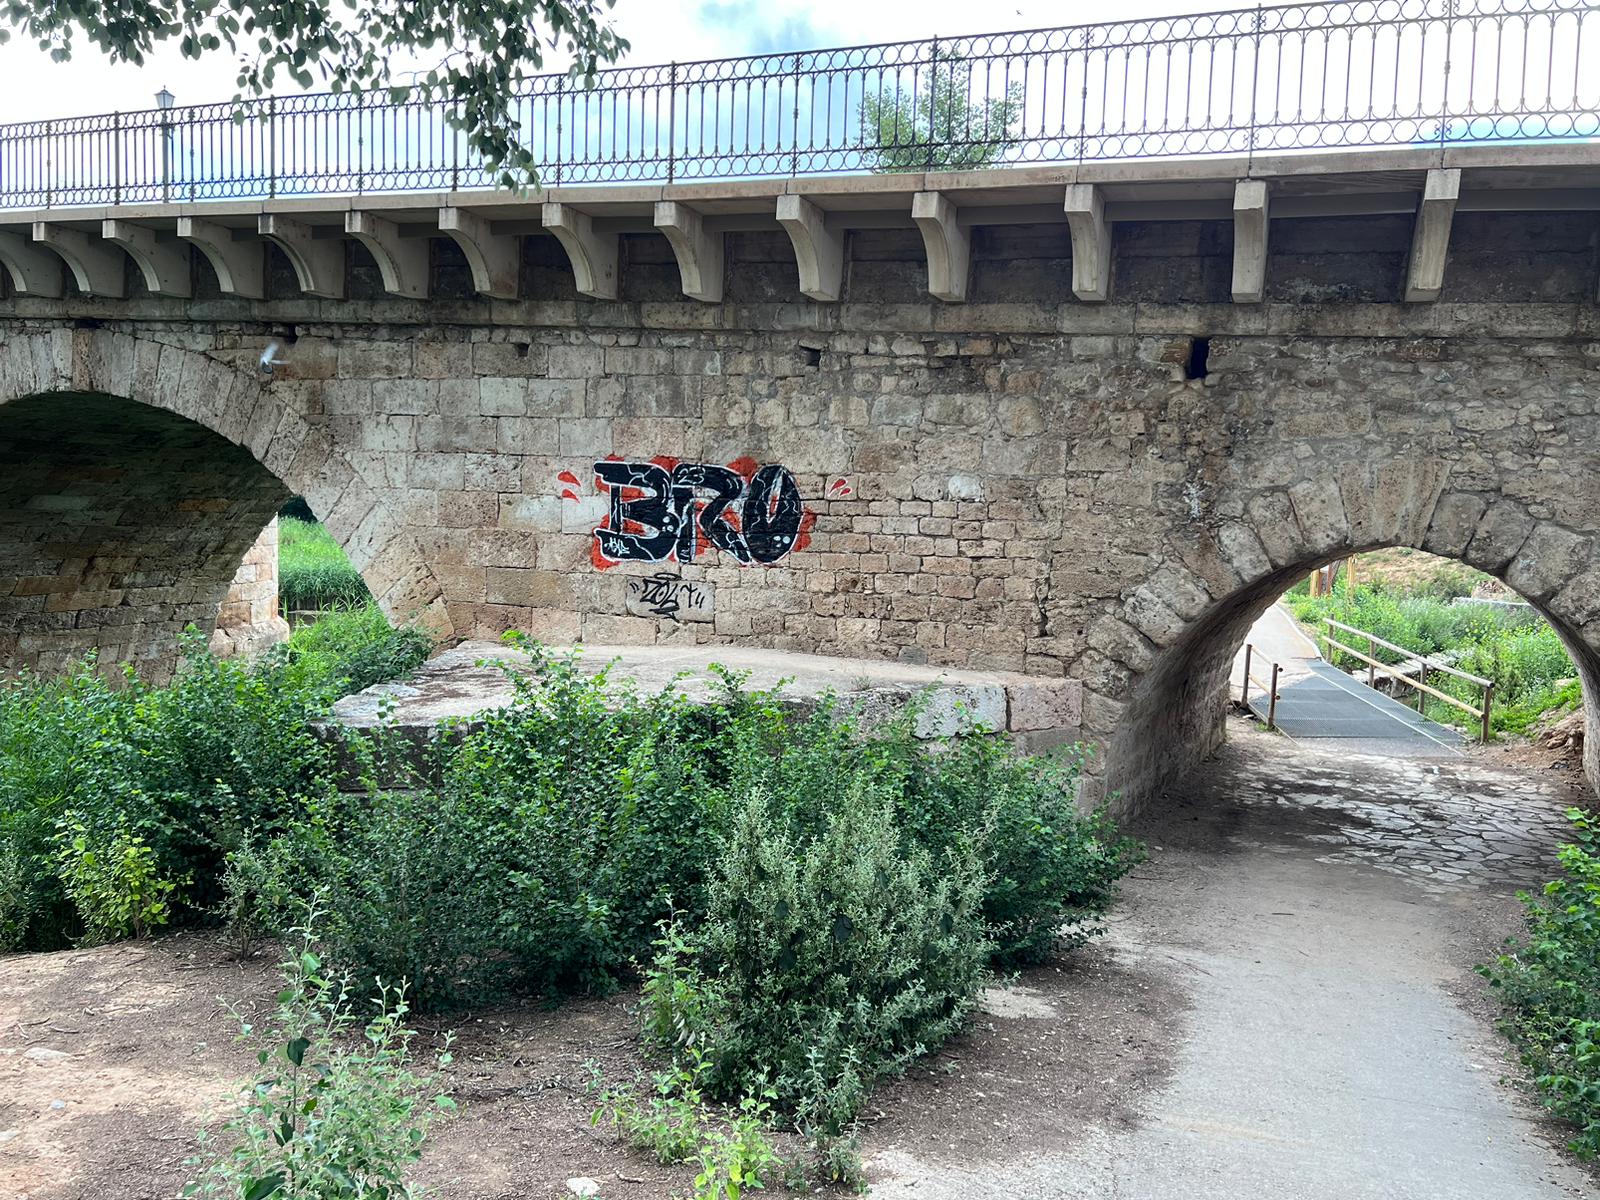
[480,50]
[940,124]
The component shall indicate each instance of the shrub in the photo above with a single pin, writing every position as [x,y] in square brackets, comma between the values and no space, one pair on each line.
[1549,983]
[560,832]
[329,1115]
[115,883]
[1050,871]
[313,571]
[183,773]
[413,892]
[835,958]
[554,838]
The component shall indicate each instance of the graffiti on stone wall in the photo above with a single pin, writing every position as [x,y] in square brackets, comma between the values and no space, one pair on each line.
[666,510]
[670,598]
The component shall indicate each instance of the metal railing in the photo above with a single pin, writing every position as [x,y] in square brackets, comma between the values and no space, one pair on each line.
[1362,73]
[1423,663]
[1270,688]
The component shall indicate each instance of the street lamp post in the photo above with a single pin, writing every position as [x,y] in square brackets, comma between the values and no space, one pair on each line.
[164,101]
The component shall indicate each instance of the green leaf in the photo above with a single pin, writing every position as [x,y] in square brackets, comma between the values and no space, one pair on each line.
[296,1050]
[260,1189]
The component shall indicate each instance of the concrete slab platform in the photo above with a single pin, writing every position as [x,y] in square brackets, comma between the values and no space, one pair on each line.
[474,677]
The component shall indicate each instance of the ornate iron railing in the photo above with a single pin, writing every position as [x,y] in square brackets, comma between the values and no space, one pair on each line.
[1363,73]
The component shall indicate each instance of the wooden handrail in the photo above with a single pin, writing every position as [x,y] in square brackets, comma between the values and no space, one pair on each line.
[1433,664]
[1393,673]
[1425,664]
[1271,689]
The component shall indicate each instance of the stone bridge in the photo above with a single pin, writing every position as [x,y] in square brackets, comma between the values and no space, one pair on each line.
[1077,422]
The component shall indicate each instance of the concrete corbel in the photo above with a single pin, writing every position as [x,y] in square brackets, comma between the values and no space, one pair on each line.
[403,262]
[318,263]
[493,257]
[96,266]
[593,255]
[699,252]
[818,250]
[240,266]
[948,246]
[33,272]
[1091,242]
[1250,224]
[1430,240]
[165,267]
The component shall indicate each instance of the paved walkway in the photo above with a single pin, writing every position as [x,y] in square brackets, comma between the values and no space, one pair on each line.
[1322,913]
[1320,703]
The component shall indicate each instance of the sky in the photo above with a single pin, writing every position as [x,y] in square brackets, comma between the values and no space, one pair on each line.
[660,31]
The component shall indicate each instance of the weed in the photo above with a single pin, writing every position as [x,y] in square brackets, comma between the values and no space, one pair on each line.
[329,1115]
[1549,983]
[674,1123]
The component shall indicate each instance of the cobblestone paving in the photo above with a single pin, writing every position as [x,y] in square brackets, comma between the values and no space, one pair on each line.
[1444,824]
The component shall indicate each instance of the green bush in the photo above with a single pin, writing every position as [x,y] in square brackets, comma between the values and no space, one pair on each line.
[116,884]
[1531,669]
[559,833]
[1549,982]
[547,844]
[313,572]
[838,957]
[184,773]
[1050,870]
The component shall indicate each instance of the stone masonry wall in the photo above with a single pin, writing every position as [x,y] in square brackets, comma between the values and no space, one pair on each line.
[248,620]
[119,525]
[1021,482]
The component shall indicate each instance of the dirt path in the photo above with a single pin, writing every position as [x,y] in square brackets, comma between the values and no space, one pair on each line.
[1337,1044]
[1285,1008]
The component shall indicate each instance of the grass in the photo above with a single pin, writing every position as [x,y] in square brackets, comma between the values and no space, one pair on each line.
[313,572]
[1531,669]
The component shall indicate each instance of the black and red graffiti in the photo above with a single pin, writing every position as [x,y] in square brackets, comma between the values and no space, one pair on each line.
[665,509]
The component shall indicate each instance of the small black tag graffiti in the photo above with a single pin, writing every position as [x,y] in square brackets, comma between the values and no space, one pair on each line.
[669,597]
[660,511]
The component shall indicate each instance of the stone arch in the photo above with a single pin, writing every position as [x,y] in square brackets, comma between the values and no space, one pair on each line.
[1169,648]
[85,412]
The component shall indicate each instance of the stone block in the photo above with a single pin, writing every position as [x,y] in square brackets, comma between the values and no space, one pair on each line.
[669,598]
[1044,704]
[1501,531]
[1272,520]
[1319,509]
[1455,520]
[1548,558]
[529,588]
